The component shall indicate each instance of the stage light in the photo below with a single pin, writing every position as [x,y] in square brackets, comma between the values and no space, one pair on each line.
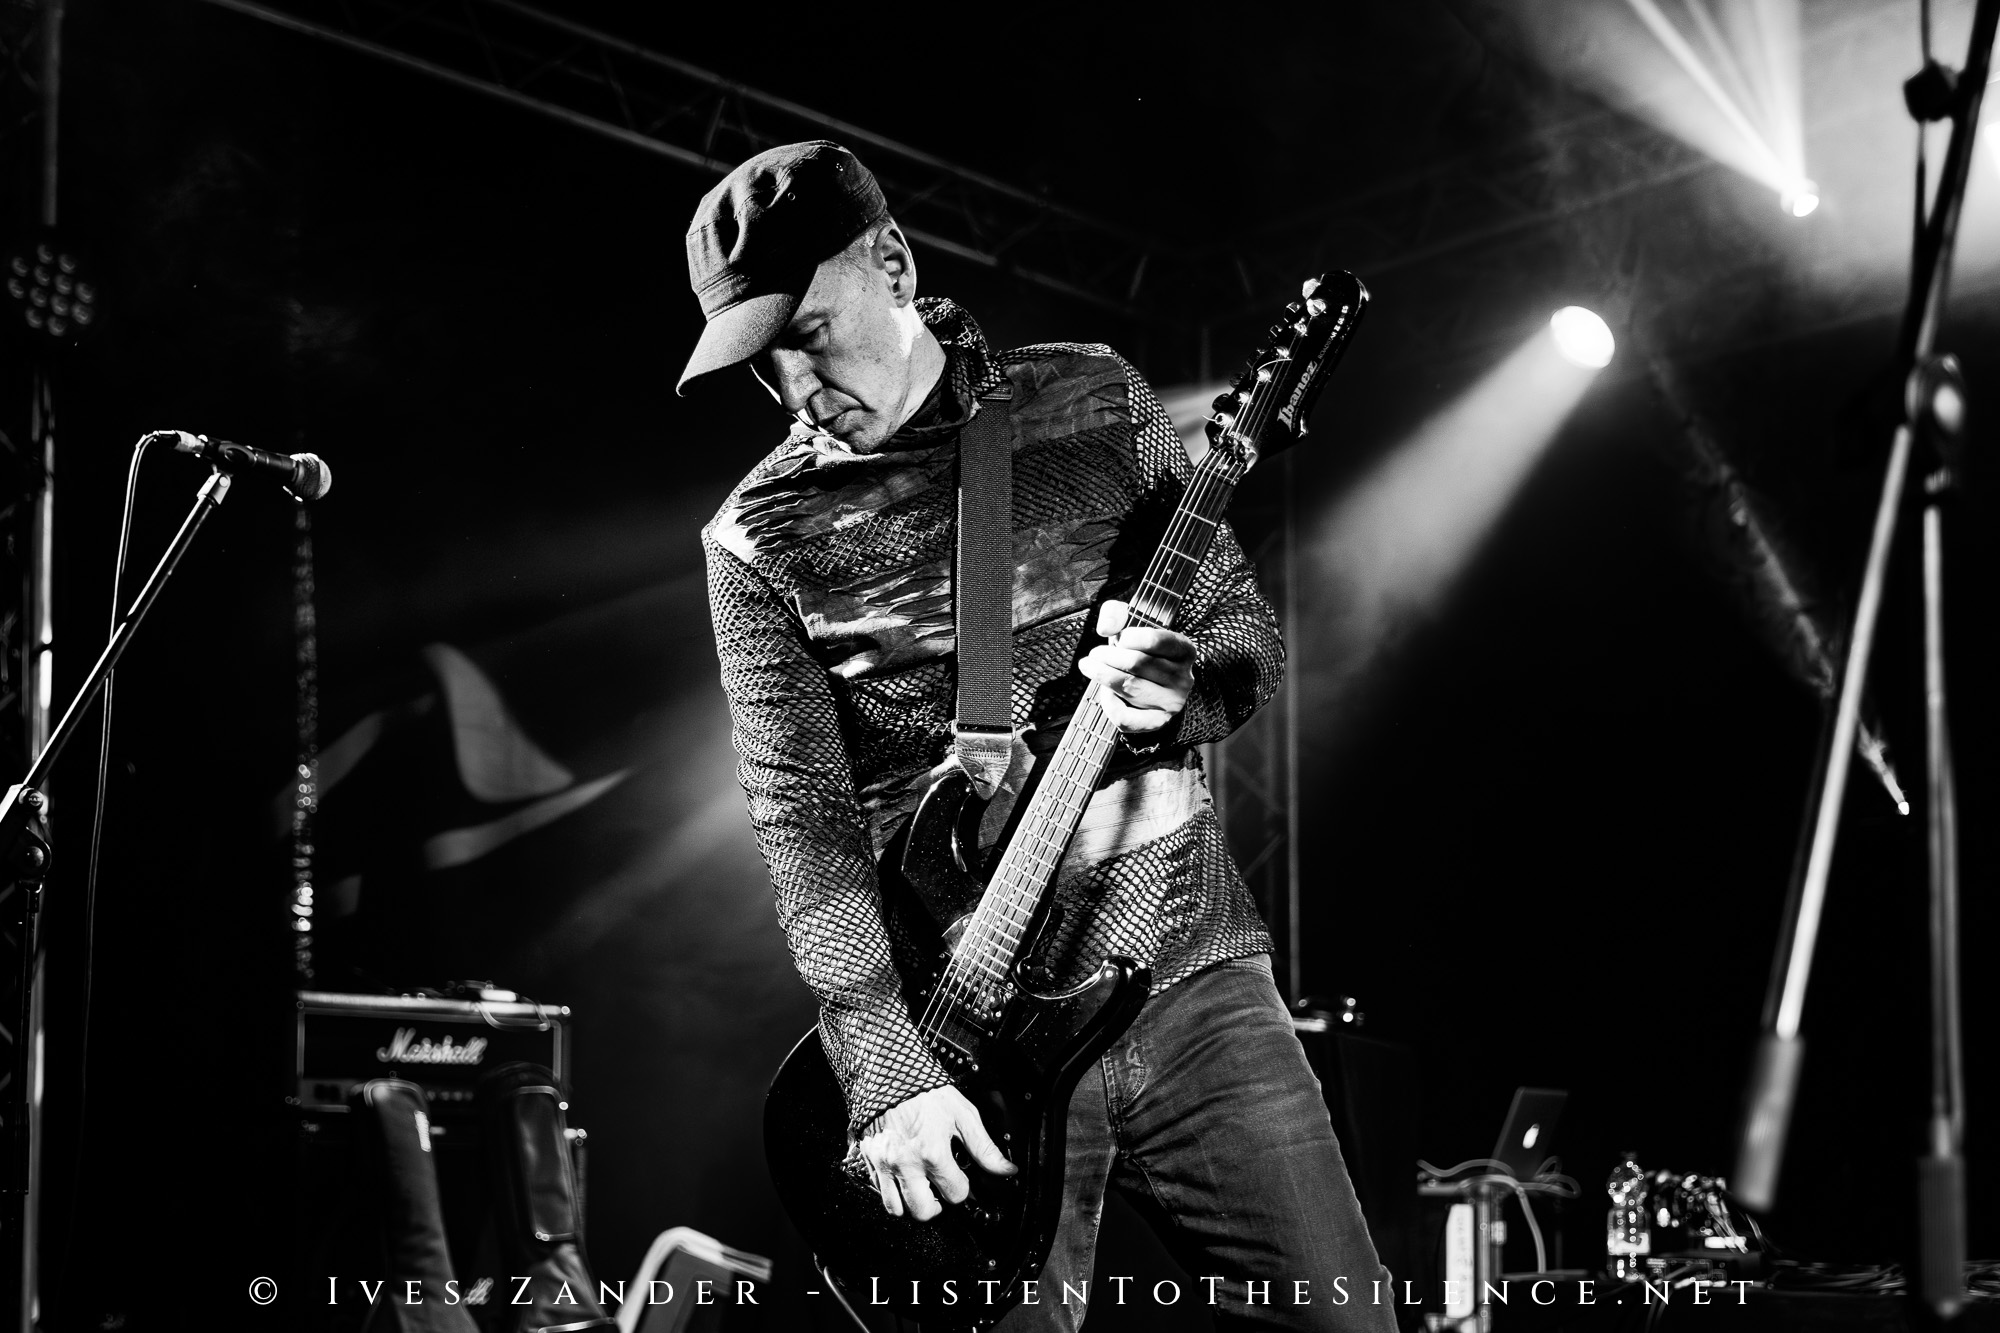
[52,300]
[1801,199]
[1582,338]
[1723,78]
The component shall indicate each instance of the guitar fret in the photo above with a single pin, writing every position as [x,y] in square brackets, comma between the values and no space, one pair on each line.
[994,936]
[1034,855]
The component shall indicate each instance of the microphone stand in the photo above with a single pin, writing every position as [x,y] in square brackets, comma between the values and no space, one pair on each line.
[1941,1173]
[1933,412]
[24,861]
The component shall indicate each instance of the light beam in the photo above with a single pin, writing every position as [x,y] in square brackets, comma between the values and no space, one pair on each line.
[1384,559]
[1723,77]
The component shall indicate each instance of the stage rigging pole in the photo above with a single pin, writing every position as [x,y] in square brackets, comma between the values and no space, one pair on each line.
[38,677]
[1934,406]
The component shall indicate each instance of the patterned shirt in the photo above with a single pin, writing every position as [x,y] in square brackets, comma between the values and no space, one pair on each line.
[830,587]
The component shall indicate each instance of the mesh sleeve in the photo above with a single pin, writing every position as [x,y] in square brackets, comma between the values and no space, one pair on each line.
[1239,648]
[793,764]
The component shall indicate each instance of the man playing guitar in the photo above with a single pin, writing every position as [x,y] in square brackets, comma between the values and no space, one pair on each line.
[830,585]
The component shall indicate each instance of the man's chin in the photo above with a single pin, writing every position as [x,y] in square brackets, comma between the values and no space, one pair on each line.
[863,438]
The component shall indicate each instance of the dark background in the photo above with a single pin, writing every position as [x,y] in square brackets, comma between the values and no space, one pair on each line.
[1546,845]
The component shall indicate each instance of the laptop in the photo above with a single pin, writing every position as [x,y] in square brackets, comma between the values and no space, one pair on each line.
[1526,1138]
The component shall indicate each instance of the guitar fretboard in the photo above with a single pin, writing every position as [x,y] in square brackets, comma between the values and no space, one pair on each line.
[999,926]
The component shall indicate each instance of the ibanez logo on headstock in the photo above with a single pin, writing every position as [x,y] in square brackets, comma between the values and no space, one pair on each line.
[1282,380]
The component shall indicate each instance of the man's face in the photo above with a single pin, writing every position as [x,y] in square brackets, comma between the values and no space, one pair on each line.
[844,364]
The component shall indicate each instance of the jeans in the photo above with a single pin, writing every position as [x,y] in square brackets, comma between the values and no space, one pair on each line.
[1207,1117]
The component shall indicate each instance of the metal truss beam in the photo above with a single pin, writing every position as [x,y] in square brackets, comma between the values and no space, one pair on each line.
[1253,773]
[617,89]
[657,103]
[29,69]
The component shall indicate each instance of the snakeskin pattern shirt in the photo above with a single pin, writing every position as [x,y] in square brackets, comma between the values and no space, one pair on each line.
[829,578]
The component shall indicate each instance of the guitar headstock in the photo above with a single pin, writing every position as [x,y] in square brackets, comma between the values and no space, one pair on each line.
[1265,410]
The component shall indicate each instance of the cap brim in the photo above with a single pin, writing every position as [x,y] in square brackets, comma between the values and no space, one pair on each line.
[739,333]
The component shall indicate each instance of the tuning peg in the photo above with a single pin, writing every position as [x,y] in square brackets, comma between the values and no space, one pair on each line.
[1311,286]
[1223,401]
[1293,308]
[1315,307]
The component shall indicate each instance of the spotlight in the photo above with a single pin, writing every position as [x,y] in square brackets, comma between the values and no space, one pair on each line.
[1581,337]
[1801,199]
[51,300]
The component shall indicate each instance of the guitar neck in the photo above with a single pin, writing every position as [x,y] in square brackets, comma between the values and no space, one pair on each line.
[998,928]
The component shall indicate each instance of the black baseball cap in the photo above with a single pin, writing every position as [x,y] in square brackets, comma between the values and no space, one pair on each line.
[759,236]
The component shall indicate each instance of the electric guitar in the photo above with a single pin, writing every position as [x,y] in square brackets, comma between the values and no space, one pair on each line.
[1014,1050]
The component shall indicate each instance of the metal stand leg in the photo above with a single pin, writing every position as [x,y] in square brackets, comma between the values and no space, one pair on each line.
[1941,1173]
[1488,1234]
[1933,95]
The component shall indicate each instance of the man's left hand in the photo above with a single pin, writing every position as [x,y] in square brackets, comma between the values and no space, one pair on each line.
[1146,673]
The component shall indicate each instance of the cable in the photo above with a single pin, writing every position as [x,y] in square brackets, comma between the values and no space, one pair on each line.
[1570,1190]
[833,1285]
[1771,1249]
[1490,1163]
[1860,1279]
[1527,1211]
[96,843]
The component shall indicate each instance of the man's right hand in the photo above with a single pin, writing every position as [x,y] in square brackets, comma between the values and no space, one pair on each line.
[908,1150]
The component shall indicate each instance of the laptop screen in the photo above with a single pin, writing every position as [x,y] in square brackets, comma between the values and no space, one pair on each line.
[1526,1140]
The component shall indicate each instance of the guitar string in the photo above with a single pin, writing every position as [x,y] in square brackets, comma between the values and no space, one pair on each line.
[986,945]
[980,947]
[985,948]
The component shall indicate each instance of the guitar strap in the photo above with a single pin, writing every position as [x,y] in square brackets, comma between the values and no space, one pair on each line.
[983,590]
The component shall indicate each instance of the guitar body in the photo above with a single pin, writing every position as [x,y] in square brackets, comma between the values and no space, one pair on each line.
[937,857]
[1009,1041]
[1001,1234]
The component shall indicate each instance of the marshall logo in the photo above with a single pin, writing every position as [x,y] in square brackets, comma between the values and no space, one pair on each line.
[406,1048]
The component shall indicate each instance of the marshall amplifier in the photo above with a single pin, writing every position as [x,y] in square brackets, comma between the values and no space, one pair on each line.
[442,1045]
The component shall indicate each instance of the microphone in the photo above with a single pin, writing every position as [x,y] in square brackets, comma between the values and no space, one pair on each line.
[305,475]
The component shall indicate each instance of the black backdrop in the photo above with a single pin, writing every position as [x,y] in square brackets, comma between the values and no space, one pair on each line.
[1549,849]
